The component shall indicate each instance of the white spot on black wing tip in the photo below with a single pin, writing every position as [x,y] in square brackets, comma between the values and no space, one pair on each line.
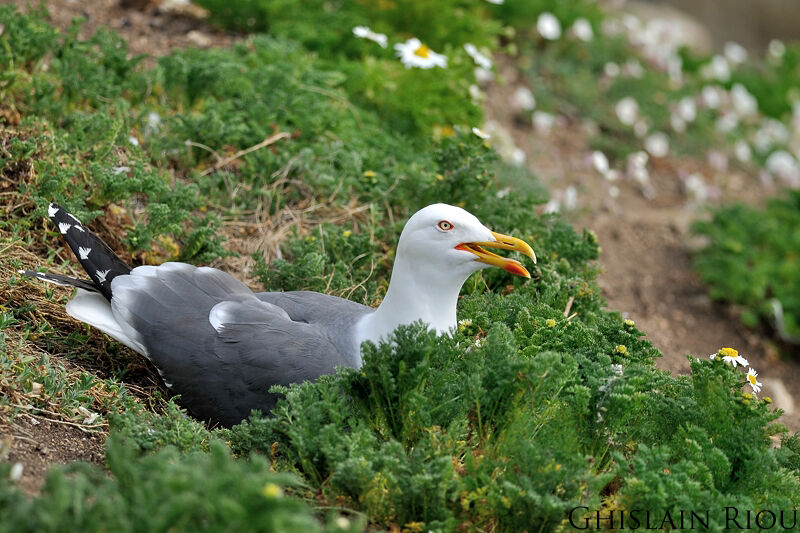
[84,252]
[63,227]
[52,210]
[78,227]
[101,275]
[73,217]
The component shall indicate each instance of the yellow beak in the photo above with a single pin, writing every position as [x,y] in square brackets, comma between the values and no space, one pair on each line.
[504,242]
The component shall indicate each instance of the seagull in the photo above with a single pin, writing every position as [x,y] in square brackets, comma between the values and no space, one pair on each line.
[220,346]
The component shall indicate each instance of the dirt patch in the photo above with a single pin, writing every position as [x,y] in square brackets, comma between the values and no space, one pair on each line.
[37,443]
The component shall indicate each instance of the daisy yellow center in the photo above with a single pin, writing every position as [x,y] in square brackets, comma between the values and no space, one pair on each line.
[728,352]
[422,51]
[751,378]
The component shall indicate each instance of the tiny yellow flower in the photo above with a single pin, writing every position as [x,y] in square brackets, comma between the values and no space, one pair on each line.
[369,174]
[622,349]
[767,399]
[628,322]
[347,233]
[439,177]
[272,491]
[550,323]
[728,352]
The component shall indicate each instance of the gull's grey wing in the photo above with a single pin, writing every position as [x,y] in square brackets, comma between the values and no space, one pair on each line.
[324,310]
[218,345]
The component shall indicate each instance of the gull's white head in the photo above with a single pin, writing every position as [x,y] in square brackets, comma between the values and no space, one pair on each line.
[441,245]
[453,242]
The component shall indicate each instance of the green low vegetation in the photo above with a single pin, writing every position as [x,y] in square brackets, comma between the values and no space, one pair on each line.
[540,403]
[753,260]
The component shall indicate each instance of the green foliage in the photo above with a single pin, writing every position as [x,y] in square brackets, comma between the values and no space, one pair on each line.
[165,491]
[752,260]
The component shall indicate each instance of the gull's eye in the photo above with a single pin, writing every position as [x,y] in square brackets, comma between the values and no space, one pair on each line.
[444,225]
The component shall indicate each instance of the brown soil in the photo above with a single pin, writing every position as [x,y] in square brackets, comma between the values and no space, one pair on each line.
[645,243]
[37,443]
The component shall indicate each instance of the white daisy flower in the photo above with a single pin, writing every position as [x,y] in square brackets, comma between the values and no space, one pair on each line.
[475,94]
[582,29]
[718,69]
[657,144]
[776,49]
[523,99]
[480,133]
[783,165]
[483,76]
[742,151]
[364,32]
[548,26]
[481,60]
[415,54]
[711,96]
[752,378]
[611,69]
[687,110]
[735,53]
[730,355]
[600,162]
[744,103]
[543,122]
[627,111]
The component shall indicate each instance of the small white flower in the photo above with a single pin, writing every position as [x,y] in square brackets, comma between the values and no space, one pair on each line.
[153,123]
[552,206]
[364,32]
[415,54]
[523,99]
[717,69]
[657,144]
[475,94]
[752,378]
[736,360]
[480,133]
[633,69]
[742,151]
[697,190]
[483,76]
[119,170]
[687,110]
[570,198]
[611,70]
[496,2]
[783,165]
[480,59]
[776,49]
[465,322]
[727,122]
[16,473]
[543,122]
[600,162]
[133,140]
[677,123]
[627,110]
[582,29]
[744,103]
[711,96]
[735,53]
[548,26]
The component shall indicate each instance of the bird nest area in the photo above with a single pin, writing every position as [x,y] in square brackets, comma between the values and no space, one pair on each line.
[48,356]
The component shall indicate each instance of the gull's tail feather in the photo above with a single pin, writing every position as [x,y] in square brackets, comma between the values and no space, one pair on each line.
[96,258]
[58,279]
